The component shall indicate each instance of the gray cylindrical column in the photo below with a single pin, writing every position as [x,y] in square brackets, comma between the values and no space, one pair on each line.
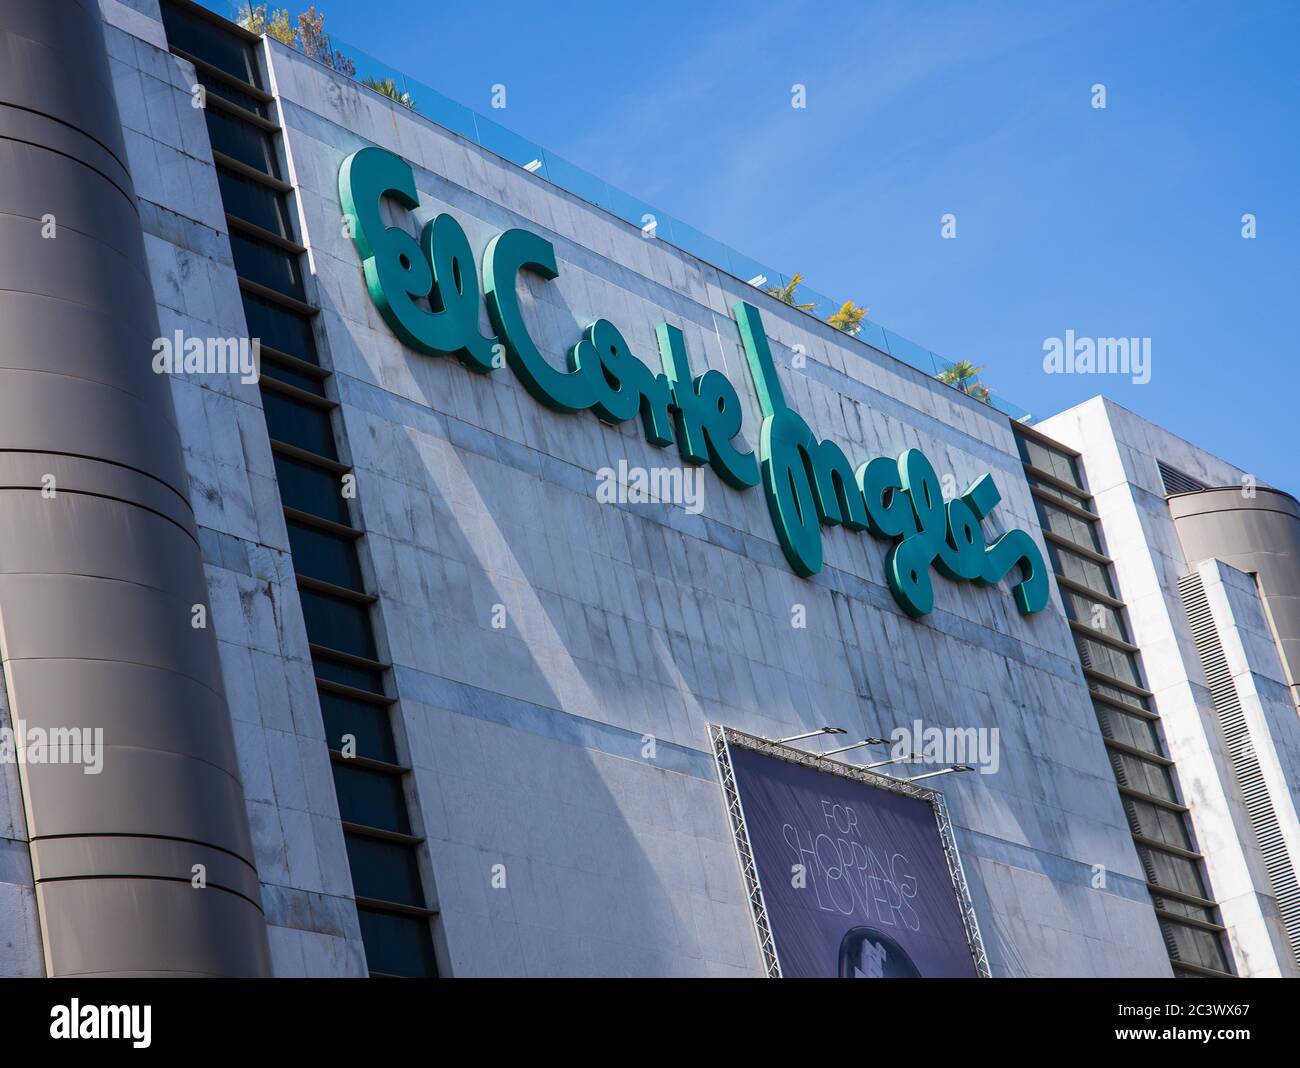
[1258,534]
[99,564]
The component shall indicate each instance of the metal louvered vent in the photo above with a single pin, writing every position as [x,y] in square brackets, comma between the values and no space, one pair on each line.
[1085,655]
[1176,481]
[1245,762]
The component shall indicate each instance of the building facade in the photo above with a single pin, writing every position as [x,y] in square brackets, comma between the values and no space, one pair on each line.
[1206,560]
[402,669]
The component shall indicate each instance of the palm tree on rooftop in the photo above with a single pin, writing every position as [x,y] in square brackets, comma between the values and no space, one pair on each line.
[849,318]
[964,375]
[785,293]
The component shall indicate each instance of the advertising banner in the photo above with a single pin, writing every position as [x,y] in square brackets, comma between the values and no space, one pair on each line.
[855,879]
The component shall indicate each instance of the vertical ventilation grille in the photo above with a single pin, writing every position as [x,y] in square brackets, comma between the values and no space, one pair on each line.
[1245,762]
[1176,481]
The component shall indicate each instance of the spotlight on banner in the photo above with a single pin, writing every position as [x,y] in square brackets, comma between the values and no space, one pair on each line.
[809,734]
[906,758]
[855,745]
[941,771]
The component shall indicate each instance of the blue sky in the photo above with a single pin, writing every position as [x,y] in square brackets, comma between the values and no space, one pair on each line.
[1117,222]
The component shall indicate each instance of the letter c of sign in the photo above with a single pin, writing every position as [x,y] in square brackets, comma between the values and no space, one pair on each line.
[509,253]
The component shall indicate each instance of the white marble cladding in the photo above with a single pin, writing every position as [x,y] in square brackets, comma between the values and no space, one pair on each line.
[1120,450]
[254,609]
[1274,737]
[627,622]
[1122,447]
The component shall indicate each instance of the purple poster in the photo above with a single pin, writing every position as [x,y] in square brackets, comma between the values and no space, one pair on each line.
[854,877]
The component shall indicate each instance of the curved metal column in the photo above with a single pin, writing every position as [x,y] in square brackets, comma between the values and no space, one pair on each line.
[99,563]
[1258,534]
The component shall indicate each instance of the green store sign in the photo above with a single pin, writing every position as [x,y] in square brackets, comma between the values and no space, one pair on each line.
[427,291]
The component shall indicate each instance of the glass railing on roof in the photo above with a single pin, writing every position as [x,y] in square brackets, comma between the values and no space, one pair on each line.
[309,38]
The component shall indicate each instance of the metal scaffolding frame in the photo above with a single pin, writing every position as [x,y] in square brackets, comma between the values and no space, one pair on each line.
[723,738]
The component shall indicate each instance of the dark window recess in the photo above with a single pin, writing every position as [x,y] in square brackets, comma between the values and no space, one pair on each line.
[1143,776]
[1092,613]
[386,871]
[1171,872]
[1056,493]
[266,265]
[358,678]
[1053,461]
[1183,908]
[297,423]
[366,723]
[281,372]
[321,554]
[279,327]
[1157,823]
[236,96]
[1080,569]
[311,489]
[254,202]
[196,35]
[1116,663]
[372,799]
[1068,525]
[1194,945]
[338,624]
[1116,694]
[397,945]
[1131,730]
[249,144]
